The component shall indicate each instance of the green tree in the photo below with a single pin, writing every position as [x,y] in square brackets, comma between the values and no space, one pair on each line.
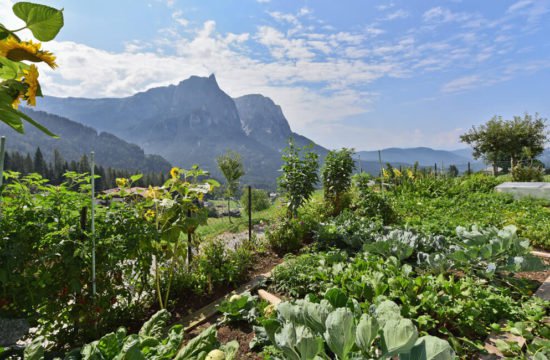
[232,168]
[299,176]
[453,171]
[506,140]
[336,175]
[40,164]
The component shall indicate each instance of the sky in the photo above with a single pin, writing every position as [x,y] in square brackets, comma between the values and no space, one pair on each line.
[349,73]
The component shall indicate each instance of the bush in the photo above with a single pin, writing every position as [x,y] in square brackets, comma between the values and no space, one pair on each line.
[260,200]
[527,173]
[370,204]
[336,175]
[286,235]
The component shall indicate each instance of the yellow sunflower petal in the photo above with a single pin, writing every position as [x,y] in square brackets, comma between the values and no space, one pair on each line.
[25,50]
[31,79]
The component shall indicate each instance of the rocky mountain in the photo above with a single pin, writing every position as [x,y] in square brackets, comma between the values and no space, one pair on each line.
[76,139]
[192,123]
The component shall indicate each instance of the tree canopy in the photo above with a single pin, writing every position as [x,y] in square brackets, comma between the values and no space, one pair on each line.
[505,140]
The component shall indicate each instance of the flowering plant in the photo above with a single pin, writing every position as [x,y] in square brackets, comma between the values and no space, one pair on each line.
[18,79]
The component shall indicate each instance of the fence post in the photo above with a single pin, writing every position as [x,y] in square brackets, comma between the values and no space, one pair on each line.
[189,240]
[249,213]
[92,171]
[435,169]
[2,153]
[381,172]
[469,169]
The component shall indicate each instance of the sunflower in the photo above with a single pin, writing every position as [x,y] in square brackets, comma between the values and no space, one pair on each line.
[175,172]
[396,172]
[149,215]
[25,50]
[31,79]
[153,192]
[121,182]
[15,103]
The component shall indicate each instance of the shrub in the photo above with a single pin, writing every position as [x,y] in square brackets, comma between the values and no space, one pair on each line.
[286,235]
[299,176]
[527,173]
[370,204]
[260,200]
[336,175]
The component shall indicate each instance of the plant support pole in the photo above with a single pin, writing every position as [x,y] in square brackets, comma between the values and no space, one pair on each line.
[249,213]
[2,154]
[92,165]
[381,172]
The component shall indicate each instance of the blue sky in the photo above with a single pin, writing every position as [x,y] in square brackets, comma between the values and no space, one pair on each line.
[362,74]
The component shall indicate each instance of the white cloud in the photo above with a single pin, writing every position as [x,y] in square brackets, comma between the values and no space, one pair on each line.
[178,18]
[398,14]
[461,83]
[263,1]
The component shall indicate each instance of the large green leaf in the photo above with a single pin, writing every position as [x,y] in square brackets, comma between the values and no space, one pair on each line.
[387,310]
[11,69]
[199,346]
[340,333]
[429,348]
[43,21]
[367,330]
[336,297]
[35,351]
[398,336]
[308,344]
[154,327]
[315,315]
[285,340]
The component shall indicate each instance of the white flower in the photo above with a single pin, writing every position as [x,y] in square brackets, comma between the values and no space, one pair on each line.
[491,267]
[518,260]
[167,203]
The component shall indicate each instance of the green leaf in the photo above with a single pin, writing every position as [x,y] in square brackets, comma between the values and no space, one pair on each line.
[109,345]
[43,21]
[398,336]
[154,327]
[34,123]
[35,351]
[307,343]
[285,340]
[315,315]
[429,348]
[136,177]
[201,344]
[336,297]
[11,69]
[230,349]
[340,333]
[366,332]
[11,119]
[387,310]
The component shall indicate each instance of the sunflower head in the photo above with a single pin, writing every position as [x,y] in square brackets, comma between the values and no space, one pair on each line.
[25,51]
[31,79]
[175,173]
[121,182]
[153,192]
[149,215]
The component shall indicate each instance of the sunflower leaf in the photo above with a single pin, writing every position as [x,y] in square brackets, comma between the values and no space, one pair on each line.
[43,21]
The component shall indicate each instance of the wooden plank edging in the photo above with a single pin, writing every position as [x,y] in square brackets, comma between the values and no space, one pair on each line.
[206,312]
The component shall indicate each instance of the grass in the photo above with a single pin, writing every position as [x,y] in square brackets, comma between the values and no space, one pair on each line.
[217,226]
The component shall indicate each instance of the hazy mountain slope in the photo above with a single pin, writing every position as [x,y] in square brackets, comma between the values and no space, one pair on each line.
[76,140]
[425,156]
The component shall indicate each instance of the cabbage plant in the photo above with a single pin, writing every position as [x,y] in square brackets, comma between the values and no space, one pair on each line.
[336,328]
